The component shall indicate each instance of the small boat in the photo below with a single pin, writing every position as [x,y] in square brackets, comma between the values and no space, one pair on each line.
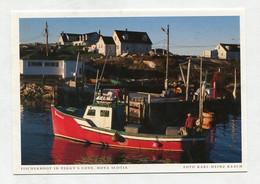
[118,81]
[104,123]
[94,81]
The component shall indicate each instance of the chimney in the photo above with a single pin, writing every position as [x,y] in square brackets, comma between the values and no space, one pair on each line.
[125,29]
[99,33]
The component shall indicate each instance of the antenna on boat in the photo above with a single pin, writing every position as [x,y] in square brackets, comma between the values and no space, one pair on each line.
[98,81]
[95,91]
[76,70]
[103,69]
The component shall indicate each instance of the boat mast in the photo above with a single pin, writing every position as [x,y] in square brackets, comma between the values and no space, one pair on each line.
[98,81]
[76,69]
[201,96]
[102,72]
[182,75]
[187,83]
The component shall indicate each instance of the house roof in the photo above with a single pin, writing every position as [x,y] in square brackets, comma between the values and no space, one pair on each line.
[232,47]
[108,40]
[133,37]
[64,35]
[91,33]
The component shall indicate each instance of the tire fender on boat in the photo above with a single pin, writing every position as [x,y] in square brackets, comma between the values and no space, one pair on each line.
[115,137]
[118,138]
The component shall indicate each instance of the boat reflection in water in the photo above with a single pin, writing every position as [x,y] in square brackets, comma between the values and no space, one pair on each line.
[65,151]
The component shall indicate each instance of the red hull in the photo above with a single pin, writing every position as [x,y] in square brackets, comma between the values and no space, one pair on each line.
[65,151]
[67,126]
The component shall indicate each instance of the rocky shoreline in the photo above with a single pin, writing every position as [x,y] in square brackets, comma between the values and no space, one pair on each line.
[32,91]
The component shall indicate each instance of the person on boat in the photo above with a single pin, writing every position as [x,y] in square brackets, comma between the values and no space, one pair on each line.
[189,124]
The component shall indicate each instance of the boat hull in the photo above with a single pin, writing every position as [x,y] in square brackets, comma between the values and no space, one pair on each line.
[76,128]
[71,152]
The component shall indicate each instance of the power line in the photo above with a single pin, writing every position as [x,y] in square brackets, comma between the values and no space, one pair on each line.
[159,41]
[188,46]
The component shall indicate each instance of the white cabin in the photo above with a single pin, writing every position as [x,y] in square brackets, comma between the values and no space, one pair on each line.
[110,116]
[60,68]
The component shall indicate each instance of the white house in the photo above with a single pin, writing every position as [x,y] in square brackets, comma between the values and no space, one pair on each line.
[106,46]
[92,48]
[78,39]
[224,51]
[131,42]
[59,68]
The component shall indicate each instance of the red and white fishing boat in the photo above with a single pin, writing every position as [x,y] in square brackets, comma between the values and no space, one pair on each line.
[104,123]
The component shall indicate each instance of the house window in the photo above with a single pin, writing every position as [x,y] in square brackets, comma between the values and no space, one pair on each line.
[125,36]
[115,37]
[34,64]
[104,113]
[52,64]
[91,112]
[117,47]
[145,38]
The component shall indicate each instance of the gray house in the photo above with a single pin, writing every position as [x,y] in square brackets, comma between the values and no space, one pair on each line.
[78,39]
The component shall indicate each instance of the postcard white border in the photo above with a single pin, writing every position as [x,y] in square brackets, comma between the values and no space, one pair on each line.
[131,168]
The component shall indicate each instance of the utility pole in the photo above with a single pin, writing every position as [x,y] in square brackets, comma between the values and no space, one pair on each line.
[167,59]
[46,32]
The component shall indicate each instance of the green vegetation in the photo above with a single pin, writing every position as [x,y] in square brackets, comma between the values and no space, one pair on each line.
[34,52]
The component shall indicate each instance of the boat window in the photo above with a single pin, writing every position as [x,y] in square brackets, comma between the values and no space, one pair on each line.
[91,112]
[104,113]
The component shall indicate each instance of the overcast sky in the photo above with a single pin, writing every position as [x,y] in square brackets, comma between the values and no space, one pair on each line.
[188,35]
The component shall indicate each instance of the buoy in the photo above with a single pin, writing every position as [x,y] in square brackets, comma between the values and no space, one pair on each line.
[155,144]
[207,119]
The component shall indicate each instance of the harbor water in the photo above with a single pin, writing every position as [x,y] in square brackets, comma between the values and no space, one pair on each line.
[39,146]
